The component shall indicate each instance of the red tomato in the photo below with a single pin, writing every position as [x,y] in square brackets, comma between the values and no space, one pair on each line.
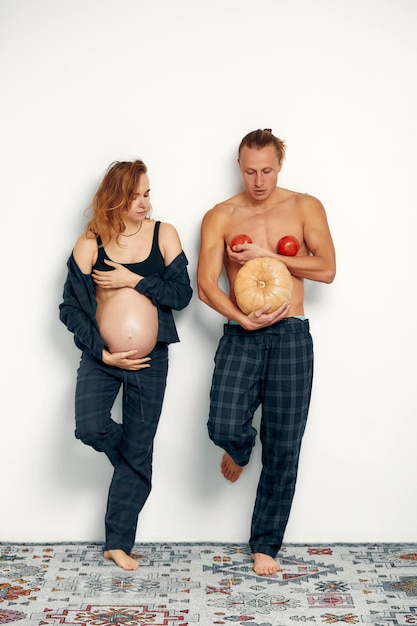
[239,239]
[288,245]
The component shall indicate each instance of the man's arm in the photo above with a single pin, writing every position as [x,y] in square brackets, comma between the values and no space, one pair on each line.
[320,265]
[210,266]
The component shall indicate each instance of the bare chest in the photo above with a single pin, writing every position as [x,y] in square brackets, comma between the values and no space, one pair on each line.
[265,229]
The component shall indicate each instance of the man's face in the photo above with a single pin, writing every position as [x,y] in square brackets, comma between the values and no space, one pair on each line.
[259,170]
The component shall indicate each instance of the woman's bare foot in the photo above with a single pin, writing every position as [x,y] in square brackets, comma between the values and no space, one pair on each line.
[264,565]
[230,469]
[121,559]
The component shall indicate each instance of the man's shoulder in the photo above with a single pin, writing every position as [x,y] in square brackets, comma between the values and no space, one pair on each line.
[230,204]
[226,208]
[298,198]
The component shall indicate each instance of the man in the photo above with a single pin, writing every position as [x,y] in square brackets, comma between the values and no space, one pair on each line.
[263,358]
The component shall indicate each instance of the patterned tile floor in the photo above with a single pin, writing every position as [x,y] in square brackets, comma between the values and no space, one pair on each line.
[180,584]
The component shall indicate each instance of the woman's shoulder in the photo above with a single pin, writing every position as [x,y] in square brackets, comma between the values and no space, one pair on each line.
[167,230]
[169,242]
[85,250]
[87,238]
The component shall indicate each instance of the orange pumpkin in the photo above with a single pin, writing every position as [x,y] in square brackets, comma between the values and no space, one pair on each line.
[262,281]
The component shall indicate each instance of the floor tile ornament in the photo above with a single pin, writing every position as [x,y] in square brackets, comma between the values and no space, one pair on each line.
[208,584]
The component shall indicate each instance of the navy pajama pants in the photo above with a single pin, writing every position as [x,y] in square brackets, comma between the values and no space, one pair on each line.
[129,445]
[272,367]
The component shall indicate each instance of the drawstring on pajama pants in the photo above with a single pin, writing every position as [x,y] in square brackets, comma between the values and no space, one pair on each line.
[126,392]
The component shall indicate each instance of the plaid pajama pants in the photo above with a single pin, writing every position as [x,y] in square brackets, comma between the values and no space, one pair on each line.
[272,367]
[129,445]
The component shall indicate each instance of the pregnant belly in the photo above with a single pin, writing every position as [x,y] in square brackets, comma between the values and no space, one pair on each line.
[128,321]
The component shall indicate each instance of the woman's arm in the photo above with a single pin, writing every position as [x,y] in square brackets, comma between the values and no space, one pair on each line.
[172,290]
[78,307]
[85,252]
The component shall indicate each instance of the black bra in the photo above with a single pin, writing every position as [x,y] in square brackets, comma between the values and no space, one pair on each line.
[154,264]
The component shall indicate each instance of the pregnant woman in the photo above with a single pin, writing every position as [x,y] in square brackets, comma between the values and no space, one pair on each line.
[125,275]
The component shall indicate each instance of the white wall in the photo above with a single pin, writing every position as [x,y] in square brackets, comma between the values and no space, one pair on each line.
[86,82]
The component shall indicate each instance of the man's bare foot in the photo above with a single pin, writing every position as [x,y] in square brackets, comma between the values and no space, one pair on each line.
[121,559]
[230,470]
[264,565]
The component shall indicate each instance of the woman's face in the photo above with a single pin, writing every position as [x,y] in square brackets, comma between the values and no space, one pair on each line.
[140,202]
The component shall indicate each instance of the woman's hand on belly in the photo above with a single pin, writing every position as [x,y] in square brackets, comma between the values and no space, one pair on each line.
[125,360]
[117,278]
